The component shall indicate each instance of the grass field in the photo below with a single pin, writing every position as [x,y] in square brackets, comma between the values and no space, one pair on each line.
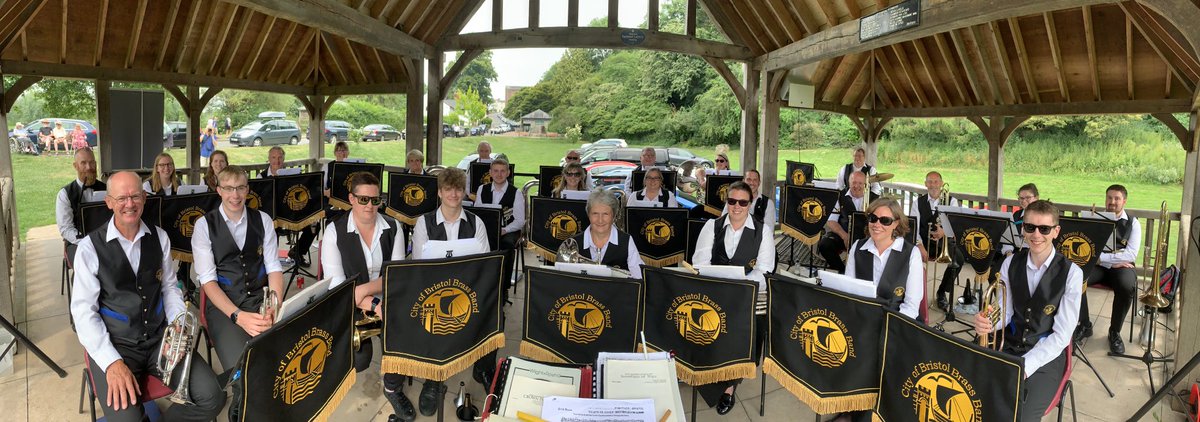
[38,179]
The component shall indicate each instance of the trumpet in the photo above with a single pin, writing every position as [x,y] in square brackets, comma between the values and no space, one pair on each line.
[568,252]
[943,255]
[369,326]
[996,298]
[270,304]
[178,341]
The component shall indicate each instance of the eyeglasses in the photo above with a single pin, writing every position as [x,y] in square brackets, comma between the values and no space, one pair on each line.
[137,199]
[654,178]
[738,202]
[1027,198]
[373,200]
[238,189]
[1030,228]
[574,174]
[720,160]
[886,221]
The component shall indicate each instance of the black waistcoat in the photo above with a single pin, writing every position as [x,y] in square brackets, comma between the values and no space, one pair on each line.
[506,201]
[895,271]
[664,197]
[746,252]
[614,255]
[354,263]
[1033,312]
[75,198]
[845,208]
[241,273]
[437,231]
[849,169]
[760,209]
[130,301]
[1122,232]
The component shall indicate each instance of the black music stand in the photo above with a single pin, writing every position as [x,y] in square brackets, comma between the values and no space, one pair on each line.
[1077,240]
[17,336]
[977,236]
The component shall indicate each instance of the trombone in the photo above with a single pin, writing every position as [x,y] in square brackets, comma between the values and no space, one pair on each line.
[1154,300]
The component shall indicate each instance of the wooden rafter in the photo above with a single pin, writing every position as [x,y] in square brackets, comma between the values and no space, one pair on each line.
[742,21]
[189,25]
[100,26]
[767,23]
[136,33]
[1047,109]
[906,67]
[365,6]
[791,28]
[215,14]
[881,93]
[1129,56]
[309,39]
[21,22]
[722,21]
[1056,53]
[404,14]
[234,15]
[1179,68]
[165,39]
[431,24]
[801,13]
[62,48]
[831,16]
[259,43]
[886,66]
[972,78]
[334,59]
[853,9]
[287,40]
[986,67]
[739,92]
[1023,57]
[387,10]
[52,70]
[462,17]
[824,80]
[421,17]
[358,63]
[460,64]
[247,17]
[992,30]
[1089,34]
[952,67]
[584,37]
[927,64]
[855,99]
[339,19]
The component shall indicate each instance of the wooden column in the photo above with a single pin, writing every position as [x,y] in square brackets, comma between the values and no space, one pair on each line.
[869,129]
[751,81]
[103,109]
[996,130]
[414,97]
[193,110]
[433,109]
[8,97]
[769,149]
[1188,341]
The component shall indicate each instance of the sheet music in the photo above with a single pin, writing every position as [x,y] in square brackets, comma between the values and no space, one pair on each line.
[190,189]
[530,382]
[731,272]
[576,194]
[288,171]
[97,195]
[438,248]
[603,358]
[356,160]
[302,298]
[841,283]
[1098,215]
[569,409]
[585,269]
[480,204]
[824,184]
[646,204]
[642,379]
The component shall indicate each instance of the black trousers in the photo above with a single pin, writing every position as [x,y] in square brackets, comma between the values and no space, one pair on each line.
[228,338]
[206,394]
[831,247]
[946,286]
[712,392]
[1123,282]
[1038,390]
[304,243]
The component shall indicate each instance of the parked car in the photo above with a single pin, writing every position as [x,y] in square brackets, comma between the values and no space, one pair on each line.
[69,124]
[466,161]
[678,156]
[379,132]
[271,132]
[609,142]
[174,135]
[608,173]
[630,155]
[267,116]
[337,130]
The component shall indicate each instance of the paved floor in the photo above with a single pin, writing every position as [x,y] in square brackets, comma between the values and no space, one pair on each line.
[32,392]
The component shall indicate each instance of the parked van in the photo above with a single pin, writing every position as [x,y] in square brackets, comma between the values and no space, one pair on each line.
[269,132]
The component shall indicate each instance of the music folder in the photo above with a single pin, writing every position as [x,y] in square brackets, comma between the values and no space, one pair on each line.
[585,269]
[845,284]
[435,249]
[521,385]
[303,298]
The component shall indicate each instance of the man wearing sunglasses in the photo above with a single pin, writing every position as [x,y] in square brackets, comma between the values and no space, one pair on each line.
[930,235]
[837,236]
[355,246]
[1116,269]
[741,240]
[1044,290]
[235,254]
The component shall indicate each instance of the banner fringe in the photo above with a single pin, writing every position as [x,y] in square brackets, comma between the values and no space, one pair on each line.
[302,224]
[712,210]
[536,352]
[672,260]
[181,256]
[435,372]
[725,373]
[339,203]
[803,238]
[339,394]
[547,254]
[412,221]
[821,405]
[875,417]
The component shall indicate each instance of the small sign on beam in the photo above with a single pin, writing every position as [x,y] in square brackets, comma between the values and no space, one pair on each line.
[895,18]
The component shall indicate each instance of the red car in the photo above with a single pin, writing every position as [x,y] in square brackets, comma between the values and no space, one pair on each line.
[606,173]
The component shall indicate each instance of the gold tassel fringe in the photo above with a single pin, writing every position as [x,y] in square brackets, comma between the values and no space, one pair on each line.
[181,256]
[435,372]
[412,221]
[672,260]
[313,219]
[549,255]
[875,417]
[339,203]
[726,373]
[536,352]
[712,210]
[336,399]
[803,238]
[821,405]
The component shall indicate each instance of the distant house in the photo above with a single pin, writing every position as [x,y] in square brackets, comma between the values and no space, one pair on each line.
[535,122]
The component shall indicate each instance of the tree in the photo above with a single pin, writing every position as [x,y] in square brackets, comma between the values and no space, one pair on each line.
[68,99]
[244,106]
[468,108]
[527,100]
[478,75]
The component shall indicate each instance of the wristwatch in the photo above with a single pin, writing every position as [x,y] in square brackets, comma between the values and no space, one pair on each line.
[374,303]
[233,316]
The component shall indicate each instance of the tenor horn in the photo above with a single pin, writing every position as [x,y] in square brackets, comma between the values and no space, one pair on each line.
[568,253]
[994,301]
[270,304]
[178,341]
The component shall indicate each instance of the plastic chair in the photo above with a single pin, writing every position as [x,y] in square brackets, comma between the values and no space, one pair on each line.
[1064,387]
[152,389]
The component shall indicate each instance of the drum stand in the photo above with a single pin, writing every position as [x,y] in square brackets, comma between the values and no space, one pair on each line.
[1148,357]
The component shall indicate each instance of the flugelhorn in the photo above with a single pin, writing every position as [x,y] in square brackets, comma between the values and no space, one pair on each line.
[568,252]
[270,304]
[994,301]
[369,326]
[178,341]
[943,255]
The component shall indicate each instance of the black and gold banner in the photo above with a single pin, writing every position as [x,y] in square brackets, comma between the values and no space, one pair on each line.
[928,375]
[823,345]
[549,177]
[410,196]
[492,218]
[800,174]
[479,174]
[978,238]
[716,189]
[179,215]
[1081,240]
[805,211]
[694,226]
[96,214]
[340,174]
[441,315]
[298,200]
[660,234]
[708,323]
[262,195]
[571,317]
[858,228]
[639,178]
[555,220]
[302,368]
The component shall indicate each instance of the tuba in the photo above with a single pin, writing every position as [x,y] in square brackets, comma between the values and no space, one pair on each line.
[568,252]
[270,304]
[943,255]
[1153,298]
[996,298]
[178,341]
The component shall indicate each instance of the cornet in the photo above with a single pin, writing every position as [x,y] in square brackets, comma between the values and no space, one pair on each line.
[369,326]
[996,298]
[270,304]
[178,341]
[568,252]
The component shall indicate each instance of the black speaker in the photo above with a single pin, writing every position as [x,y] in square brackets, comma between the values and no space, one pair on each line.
[134,128]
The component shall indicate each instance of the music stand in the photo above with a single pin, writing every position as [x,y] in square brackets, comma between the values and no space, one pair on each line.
[1079,240]
[805,211]
[977,234]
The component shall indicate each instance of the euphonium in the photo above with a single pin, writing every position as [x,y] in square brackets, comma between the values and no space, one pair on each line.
[994,297]
[178,341]
[270,304]
[369,326]
[568,252]
[944,255]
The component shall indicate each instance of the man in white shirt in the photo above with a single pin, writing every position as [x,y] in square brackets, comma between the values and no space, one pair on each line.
[235,254]
[512,205]
[930,236]
[1116,269]
[837,235]
[762,207]
[649,159]
[125,296]
[66,205]
[858,166]
[1044,290]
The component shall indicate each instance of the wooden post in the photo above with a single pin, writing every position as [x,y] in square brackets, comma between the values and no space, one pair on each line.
[996,131]
[869,129]
[316,126]
[103,109]
[414,132]
[751,80]
[769,155]
[6,165]
[192,110]
[1188,342]
[433,109]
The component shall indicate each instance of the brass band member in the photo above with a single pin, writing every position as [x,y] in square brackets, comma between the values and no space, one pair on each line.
[654,191]
[837,237]
[762,207]
[886,258]
[125,295]
[721,166]
[574,177]
[483,152]
[931,236]
[1116,269]
[298,252]
[449,222]
[216,162]
[858,166]
[1044,290]
[738,239]
[649,160]
[1026,194]
[414,162]
[235,254]
[512,205]
[354,248]
[341,151]
[602,241]
[66,206]
[163,181]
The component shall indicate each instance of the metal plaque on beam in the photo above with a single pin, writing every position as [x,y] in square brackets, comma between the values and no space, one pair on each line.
[895,18]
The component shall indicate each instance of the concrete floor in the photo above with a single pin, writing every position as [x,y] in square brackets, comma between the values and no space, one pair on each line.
[32,392]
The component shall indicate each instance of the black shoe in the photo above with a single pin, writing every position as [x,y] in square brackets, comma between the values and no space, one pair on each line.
[943,303]
[725,404]
[483,377]
[402,407]
[428,401]
[1115,345]
[1082,332]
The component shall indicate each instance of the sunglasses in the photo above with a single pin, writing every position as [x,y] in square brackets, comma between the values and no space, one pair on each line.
[572,158]
[887,221]
[719,160]
[738,202]
[574,174]
[1030,228]
[373,200]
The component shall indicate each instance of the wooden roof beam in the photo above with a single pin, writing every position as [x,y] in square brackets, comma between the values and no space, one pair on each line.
[952,67]
[189,25]
[722,21]
[753,39]
[1023,57]
[328,45]
[287,39]
[1160,46]
[927,64]
[992,29]
[739,92]
[886,66]
[22,21]
[224,37]
[1056,53]
[1182,53]
[460,19]
[968,67]
[247,17]
[791,28]
[62,48]
[936,17]
[259,44]
[906,67]
[801,13]
[985,68]
[879,91]
[460,63]
[1129,56]
[139,17]
[1089,34]
[765,23]
[825,79]
[593,38]
[336,18]
[304,46]
[203,40]
[1046,109]
[853,9]
[358,62]
[165,39]
[51,70]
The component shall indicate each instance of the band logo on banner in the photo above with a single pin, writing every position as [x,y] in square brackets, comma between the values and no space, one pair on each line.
[823,345]
[555,220]
[179,215]
[638,180]
[298,200]
[660,234]
[978,238]
[805,211]
[549,179]
[480,174]
[96,214]
[340,174]
[301,368]
[262,195]
[570,317]
[716,190]
[1081,240]
[410,196]
[799,174]
[441,315]
[708,322]
[927,375]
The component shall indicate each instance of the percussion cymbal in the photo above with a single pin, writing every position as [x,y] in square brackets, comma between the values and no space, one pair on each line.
[876,178]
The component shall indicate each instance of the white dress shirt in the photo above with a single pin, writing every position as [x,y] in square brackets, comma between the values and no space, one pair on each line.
[331,257]
[420,236]
[167,189]
[914,286]
[85,303]
[1130,252]
[1048,348]
[633,260]
[518,208]
[914,211]
[64,216]
[769,217]
[841,178]
[629,177]
[671,202]
[202,252]
[837,208]
[766,249]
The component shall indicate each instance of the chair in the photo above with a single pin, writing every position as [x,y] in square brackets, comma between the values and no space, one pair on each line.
[152,389]
[204,325]
[1064,387]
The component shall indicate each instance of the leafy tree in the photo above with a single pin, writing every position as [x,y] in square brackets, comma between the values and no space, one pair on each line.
[527,100]
[468,108]
[361,112]
[68,99]
[478,75]
[244,106]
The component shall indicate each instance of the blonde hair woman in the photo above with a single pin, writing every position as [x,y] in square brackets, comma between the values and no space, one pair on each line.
[163,180]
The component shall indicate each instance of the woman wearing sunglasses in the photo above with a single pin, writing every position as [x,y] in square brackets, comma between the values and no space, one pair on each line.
[720,166]
[653,191]
[574,177]
[737,239]
[885,258]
